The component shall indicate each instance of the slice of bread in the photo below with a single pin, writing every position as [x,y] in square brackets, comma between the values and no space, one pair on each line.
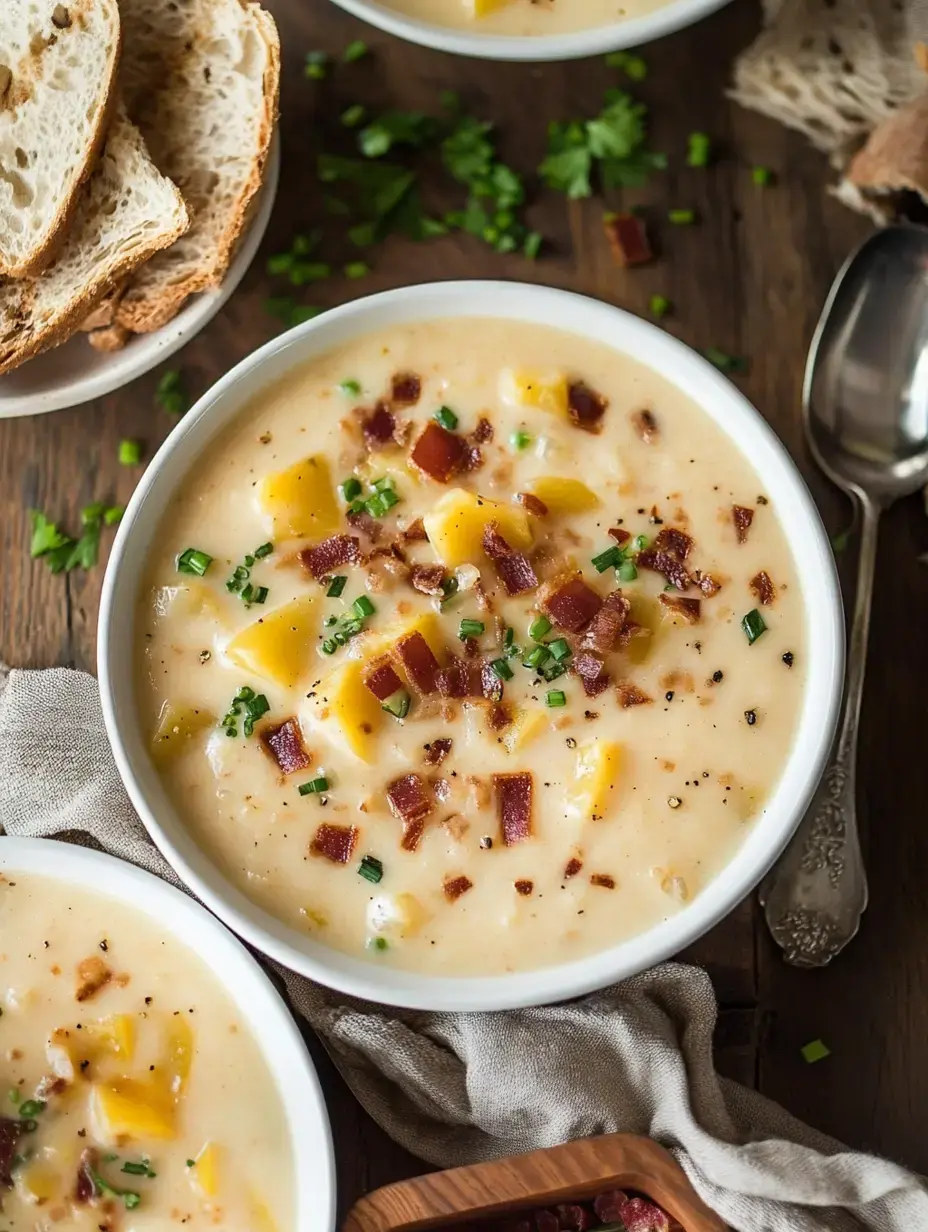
[58,65]
[128,211]
[201,80]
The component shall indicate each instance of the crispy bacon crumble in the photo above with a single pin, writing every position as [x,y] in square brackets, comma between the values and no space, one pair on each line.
[586,407]
[285,745]
[454,887]
[329,555]
[763,588]
[514,805]
[334,842]
[438,453]
[742,517]
[628,239]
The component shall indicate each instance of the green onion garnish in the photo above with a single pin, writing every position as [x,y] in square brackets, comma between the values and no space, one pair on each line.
[137,1169]
[351,389]
[559,649]
[817,1050]
[681,218]
[254,709]
[552,670]
[193,561]
[264,550]
[699,148]
[555,697]
[362,607]
[397,704]
[329,646]
[378,943]
[315,787]
[350,489]
[356,50]
[336,586]
[520,440]
[536,657]
[254,594]
[130,1198]
[501,669]
[130,453]
[639,543]
[383,484]
[627,571]
[470,628]
[610,559]
[354,115]
[753,625]
[31,1108]
[660,305]
[449,588]
[532,245]
[762,176]
[725,362]
[356,269]
[240,576]
[538,628]
[446,417]
[371,869]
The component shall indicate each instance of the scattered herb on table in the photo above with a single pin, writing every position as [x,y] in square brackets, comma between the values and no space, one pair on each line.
[170,394]
[61,551]
[659,305]
[295,263]
[681,218]
[762,176]
[725,362]
[285,308]
[698,150]
[356,50]
[130,453]
[634,66]
[840,541]
[816,1050]
[316,65]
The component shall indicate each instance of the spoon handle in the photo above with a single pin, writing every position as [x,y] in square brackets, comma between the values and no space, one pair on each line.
[814,897]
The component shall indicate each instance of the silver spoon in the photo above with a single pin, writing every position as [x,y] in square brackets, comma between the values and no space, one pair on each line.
[865,408]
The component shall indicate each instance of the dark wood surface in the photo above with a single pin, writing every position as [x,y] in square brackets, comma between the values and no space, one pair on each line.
[750,278]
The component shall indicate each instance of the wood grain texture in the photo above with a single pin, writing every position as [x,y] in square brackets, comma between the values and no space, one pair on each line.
[749,278]
[575,1172]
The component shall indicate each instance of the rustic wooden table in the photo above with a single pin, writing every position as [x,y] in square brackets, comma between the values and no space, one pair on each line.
[750,279]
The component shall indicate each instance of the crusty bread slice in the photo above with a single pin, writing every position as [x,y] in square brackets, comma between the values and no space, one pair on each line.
[128,211]
[201,79]
[58,64]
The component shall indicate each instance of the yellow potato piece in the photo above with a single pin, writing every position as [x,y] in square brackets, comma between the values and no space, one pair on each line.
[39,1182]
[592,792]
[564,496]
[426,623]
[186,602]
[280,646]
[115,1034]
[301,500]
[526,727]
[396,916]
[261,1218]
[456,523]
[132,1110]
[480,8]
[347,707]
[177,726]
[536,391]
[205,1170]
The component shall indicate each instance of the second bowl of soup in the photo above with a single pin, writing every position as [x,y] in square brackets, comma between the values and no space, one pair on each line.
[475,645]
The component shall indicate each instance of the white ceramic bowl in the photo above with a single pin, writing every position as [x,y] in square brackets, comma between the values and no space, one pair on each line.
[75,373]
[192,437]
[251,991]
[673,15]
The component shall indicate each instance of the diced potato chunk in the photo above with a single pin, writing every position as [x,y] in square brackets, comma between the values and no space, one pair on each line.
[301,500]
[527,725]
[349,712]
[564,496]
[129,1109]
[205,1170]
[177,726]
[426,623]
[186,602]
[480,8]
[280,646]
[396,916]
[456,523]
[591,794]
[536,391]
[261,1218]
[115,1034]
[39,1181]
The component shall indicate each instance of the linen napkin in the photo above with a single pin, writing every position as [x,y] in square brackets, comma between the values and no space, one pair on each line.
[459,1088]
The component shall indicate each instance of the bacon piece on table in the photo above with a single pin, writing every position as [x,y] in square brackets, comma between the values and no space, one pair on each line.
[323,558]
[454,887]
[689,609]
[602,633]
[381,678]
[662,562]
[631,695]
[514,805]
[335,843]
[586,407]
[406,389]
[285,745]
[514,568]
[628,239]
[764,588]
[674,541]
[420,663]
[411,804]
[645,424]
[438,453]
[570,603]
[742,518]
[438,750]
[427,579]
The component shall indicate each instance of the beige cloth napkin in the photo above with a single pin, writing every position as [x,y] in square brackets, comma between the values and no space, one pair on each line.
[458,1088]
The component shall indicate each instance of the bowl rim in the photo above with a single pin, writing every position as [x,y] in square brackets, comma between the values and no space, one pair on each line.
[147,351]
[239,975]
[616,36]
[572,313]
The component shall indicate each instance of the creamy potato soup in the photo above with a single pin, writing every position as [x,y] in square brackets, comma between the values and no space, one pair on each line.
[533,18]
[132,1097]
[472,646]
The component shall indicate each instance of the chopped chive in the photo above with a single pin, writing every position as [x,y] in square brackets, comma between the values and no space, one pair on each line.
[639,543]
[350,488]
[191,1163]
[356,269]
[555,697]
[362,607]
[356,50]
[536,657]
[130,453]
[13,1095]
[681,218]
[329,646]
[255,708]
[449,588]
[194,561]
[725,362]
[113,515]
[315,787]
[551,671]
[817,1050]
[753,625]
[634,66]
[378,943]
[384,484]
[660,305]
[356,506]
[397,704]
[31,1108]
[446,417]
[336,586]
[559,649]
[353,116]
[520,440]
[371,869]
[699,149]
[329,622]
[762,176]
[627,571]
[509,636]
[315,65]
[531,245]
[264,550]
[351,389]
[470,628]
[259,595]
[136,1169]
[501,669]
[538,628]
[610,559]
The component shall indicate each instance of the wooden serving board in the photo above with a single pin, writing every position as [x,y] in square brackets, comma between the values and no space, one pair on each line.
[576,1171]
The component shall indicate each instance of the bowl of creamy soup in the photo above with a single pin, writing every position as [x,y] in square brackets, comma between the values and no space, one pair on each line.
[473,645]
[532,30]
[150,1074]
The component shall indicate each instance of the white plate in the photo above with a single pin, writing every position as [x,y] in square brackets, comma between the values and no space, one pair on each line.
[596,41]
[255,998]
[168,474]
[74,372]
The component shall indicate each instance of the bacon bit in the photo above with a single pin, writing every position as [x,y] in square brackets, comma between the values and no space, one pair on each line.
[763,587]
[602,879]
[631,695]
[483,599]
[674,541]
[742,518]
[454,887]
[514,569]
[689,609]
[524,887]
[572,867]
[285,745]
[441,788]
[410,803]
[92,975]
[604,629]
[438,453]
[619,535]
[381,678]
[662,562]
[593,688]
[420,663]
[85,1187]
[586,407]
[534,504]
[367,526]
[406,389]
[514,805]
[631,630]
[330,554]
[415,532]
[570,603]
[483,433]
[588,666]
[628,239]
[473,459]
[707,583]
[645,424]
[461,678]
[500,718]
[437,750]
[335,843]
[379,427]
[471,647]
[10,1131]
[427,579]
